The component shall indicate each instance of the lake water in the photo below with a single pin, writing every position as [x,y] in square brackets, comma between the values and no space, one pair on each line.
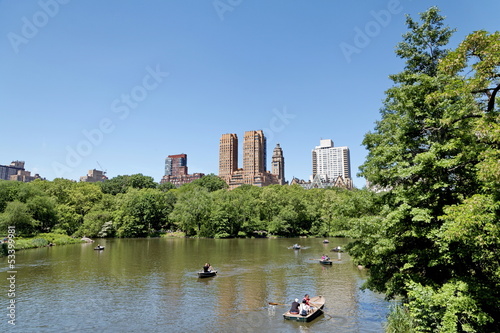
[151,285]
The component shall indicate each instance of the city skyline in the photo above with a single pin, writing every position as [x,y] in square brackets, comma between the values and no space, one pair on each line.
[81,89]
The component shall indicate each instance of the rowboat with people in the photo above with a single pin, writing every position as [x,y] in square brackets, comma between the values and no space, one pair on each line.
[207,274]
[317,304]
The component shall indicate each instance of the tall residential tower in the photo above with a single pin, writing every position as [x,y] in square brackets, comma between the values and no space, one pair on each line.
[176,171]
[254,160]
[228,155]
[329,162]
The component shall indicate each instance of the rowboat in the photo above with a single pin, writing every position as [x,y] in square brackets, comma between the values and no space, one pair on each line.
[325,261]
[296,247]
[99,247]
[337,249]
[326,241]
[317,304]
[207,274]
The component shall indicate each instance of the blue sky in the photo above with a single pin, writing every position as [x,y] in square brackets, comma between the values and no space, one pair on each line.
[123,84]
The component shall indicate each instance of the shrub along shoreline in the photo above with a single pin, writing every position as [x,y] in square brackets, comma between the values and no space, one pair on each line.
[41,240]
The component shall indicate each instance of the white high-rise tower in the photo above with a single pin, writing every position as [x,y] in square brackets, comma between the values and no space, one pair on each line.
[329,162]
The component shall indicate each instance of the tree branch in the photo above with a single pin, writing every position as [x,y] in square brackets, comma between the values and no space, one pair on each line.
[491,102]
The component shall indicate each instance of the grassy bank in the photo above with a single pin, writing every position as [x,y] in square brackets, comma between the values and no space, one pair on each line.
[42,240]
[175,234]
[399,320]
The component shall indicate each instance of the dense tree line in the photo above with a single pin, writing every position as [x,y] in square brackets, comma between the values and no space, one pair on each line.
[436,153]
[136,206]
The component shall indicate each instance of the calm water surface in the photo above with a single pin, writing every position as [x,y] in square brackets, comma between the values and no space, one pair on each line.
[151,285]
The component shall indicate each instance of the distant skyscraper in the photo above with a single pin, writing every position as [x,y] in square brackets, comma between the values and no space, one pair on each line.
[278,164]
[176,165]
[228,155]
[254,152]
[254,160]
[176,171]
[329,162]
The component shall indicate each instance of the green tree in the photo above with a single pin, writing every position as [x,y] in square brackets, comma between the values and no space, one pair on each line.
[411,153]
[211,182]
[115,185]
[8,192]
[226,216]
[141,212]
[140,181]
[192,210]
[17,214]
[248,202]
[121,183]
[69,220]
[470,234]
[426,152]
[165,187]
[98,222]
[43,209]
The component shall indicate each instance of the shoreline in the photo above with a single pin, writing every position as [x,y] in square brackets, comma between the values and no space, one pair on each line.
[53,239]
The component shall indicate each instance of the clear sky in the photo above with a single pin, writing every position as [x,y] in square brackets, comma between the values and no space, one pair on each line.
[120,85]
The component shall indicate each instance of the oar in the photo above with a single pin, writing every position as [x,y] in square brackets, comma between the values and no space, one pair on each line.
[273,303]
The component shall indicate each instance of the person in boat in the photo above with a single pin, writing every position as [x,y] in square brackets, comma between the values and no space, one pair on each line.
[295,307]
[323,257]
[304,308]
[206,268]
[306,300]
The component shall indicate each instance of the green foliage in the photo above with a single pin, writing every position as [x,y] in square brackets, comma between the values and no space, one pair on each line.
[43,209]
[210,182]
[141,212]
[69,219]
[399,320]
[165,187]
[435,153]
[191,212]
[120,184]
[8,192]
[448,308]
[17,214]
[44,239]
[204,208]
[422,45]
[30,243]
